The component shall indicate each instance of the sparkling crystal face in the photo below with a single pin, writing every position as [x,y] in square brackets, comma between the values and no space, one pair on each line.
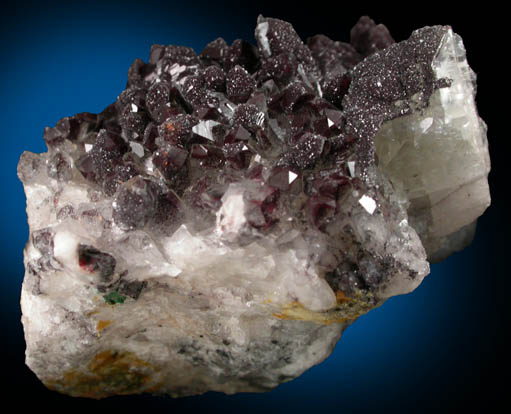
[221,223]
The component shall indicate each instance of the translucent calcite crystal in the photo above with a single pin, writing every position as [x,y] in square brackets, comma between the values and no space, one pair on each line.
[221,223]
[439,156]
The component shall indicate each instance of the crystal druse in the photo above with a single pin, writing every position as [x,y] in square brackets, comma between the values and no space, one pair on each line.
[221,223]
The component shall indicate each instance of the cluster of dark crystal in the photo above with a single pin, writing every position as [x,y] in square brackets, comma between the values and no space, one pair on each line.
[188,125]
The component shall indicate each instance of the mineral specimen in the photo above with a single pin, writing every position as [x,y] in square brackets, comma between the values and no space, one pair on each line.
[221,223]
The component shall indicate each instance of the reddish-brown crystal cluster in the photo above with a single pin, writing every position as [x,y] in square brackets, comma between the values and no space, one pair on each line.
[217,115]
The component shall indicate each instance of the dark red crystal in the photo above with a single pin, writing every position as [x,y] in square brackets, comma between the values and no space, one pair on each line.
[280,68]
[241,53]
[248,116]
[214,78]
[207,156]
[120,173]
[135,203]
[177,130]
[162,101]
[368,37]
[238,133]
[238,155]
[239,84]
[181,55]
[170,159]
[281,178]
[93,260]
[214,51]
[137,73]
[305,153]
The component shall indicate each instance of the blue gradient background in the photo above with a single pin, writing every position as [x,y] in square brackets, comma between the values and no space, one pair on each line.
[436,348]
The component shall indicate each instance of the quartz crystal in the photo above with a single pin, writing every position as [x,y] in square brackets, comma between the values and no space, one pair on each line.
[221,223]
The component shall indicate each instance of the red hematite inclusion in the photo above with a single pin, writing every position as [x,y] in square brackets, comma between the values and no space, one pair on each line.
[92,260]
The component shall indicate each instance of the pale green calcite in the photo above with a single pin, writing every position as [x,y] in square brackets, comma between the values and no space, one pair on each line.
[439,156]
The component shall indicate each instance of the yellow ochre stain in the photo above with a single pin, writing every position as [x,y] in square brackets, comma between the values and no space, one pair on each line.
[102,325]
[341,297]
[347,310]
[109,373]
[296,311]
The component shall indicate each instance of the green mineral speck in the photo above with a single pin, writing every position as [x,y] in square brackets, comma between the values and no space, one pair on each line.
[114,297]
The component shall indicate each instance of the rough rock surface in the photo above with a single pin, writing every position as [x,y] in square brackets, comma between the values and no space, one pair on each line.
[221,223]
